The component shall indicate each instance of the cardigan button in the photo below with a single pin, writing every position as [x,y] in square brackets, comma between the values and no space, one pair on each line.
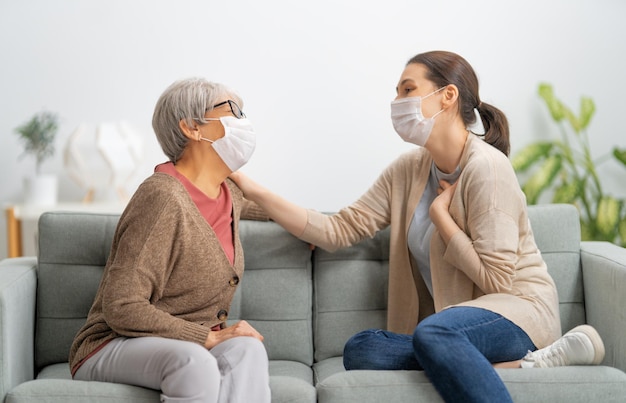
[234,281]
[222,314]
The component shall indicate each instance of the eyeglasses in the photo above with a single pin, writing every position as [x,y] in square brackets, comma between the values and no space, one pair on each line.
[234,109]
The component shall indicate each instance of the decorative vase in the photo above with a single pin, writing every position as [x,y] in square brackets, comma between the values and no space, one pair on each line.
[40,190]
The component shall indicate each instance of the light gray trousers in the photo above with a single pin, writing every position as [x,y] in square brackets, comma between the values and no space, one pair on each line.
[236,370]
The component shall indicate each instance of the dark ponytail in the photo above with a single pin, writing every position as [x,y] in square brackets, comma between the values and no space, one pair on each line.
[446,68]
[496,127]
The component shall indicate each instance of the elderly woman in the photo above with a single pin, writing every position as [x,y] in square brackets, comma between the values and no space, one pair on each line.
[159,317]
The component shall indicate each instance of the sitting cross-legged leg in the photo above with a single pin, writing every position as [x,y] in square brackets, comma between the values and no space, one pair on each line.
[457,346]
[380,350]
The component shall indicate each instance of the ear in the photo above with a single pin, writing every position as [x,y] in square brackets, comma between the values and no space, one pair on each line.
[192,133]
[450,95]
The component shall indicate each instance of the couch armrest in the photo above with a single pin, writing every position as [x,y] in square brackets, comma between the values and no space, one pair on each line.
[604,279]
[18,285]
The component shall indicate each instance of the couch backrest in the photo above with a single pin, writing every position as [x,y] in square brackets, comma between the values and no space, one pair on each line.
[557,232]
[276,291]
[350,293]
[351,284]
[73,249]
[275,294]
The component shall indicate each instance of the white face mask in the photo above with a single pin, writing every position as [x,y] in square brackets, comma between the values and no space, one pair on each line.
[238,143]
[408,120]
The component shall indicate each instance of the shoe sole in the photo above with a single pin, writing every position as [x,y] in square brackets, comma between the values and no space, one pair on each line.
[596,341]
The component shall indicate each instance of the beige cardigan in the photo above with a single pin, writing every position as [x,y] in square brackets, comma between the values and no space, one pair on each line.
[167,274]
[493,263]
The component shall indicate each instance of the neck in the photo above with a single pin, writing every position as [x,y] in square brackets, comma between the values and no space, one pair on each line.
[207,176]
[448,149]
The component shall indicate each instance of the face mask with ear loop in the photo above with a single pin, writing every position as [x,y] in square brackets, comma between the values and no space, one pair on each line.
[238,143]
[409,121]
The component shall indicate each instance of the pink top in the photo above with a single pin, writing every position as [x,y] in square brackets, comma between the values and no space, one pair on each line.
[217,212]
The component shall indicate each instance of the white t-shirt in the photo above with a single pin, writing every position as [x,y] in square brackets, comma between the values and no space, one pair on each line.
[421,227]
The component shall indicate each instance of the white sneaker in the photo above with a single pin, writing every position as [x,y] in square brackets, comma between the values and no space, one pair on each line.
[580,346]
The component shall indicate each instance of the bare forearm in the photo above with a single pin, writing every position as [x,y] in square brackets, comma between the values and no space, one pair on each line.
[289,215]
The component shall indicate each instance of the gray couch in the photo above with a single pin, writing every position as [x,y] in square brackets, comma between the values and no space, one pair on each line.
[306,303]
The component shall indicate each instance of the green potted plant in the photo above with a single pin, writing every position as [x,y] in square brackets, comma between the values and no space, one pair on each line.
[37,136]
[565,167]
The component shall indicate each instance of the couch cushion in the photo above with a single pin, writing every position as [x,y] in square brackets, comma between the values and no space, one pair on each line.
[289,381]
[557,232]
[69,391]
[73,249]
[284,389]
[376,387]
[350,293]
[276,291]
[564,384]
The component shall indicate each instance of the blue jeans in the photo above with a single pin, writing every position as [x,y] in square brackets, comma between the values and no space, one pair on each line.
[454,347]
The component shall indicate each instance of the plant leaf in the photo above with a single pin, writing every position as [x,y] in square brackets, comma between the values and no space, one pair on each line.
[572,119]
[568,192]
[38,135]
[620,155]
[608,216]
[587,109]
[586,231]
[530,154]
[554,105]
[541,179]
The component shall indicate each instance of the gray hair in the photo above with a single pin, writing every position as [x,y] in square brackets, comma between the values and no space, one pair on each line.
[187,100]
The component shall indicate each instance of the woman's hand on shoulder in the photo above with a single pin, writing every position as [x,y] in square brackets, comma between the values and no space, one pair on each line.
[244,183]
[239,329]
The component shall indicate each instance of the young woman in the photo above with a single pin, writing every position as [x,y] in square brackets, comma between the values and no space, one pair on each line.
[468,287]
[158,319]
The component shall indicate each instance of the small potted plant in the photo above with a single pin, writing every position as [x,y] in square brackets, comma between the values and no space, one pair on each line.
[37,136]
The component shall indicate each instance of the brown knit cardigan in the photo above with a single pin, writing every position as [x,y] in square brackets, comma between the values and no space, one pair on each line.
[167,274]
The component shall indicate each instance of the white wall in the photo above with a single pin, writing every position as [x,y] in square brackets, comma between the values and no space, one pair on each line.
[317,77]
